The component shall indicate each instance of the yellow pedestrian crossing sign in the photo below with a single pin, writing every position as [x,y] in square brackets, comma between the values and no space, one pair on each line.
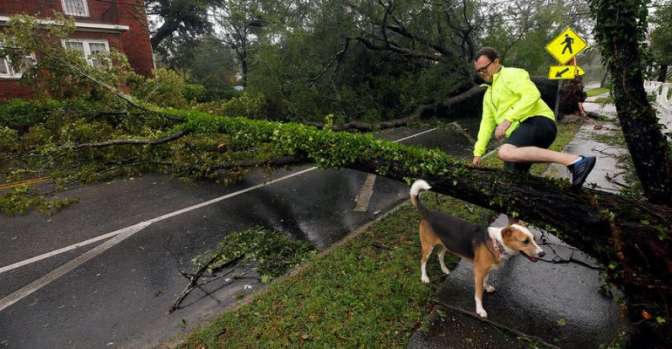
[561,72]
[566,45]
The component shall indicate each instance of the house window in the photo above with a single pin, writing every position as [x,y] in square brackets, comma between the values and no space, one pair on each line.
[7,71]
[88,49]
[78,8]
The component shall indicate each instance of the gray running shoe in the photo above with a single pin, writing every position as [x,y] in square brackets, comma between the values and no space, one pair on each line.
[581,169]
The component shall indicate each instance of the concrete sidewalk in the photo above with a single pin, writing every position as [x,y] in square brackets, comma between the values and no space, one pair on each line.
[559,303]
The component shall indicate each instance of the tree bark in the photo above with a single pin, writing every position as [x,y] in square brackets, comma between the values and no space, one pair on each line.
[459,105]
[662,72]
[163,32]
[117,142]
[603,82]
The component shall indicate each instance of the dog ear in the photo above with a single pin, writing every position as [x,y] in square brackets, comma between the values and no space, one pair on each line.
[507,232]
[493,230]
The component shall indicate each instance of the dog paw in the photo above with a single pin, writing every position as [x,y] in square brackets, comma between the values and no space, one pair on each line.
[425,279]
[445,271]
[482,313]
[489,288]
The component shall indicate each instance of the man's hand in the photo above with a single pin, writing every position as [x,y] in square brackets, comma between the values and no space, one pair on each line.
[476,161]
[500,132]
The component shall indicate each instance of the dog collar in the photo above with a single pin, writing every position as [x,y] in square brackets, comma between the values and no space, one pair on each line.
[496,248]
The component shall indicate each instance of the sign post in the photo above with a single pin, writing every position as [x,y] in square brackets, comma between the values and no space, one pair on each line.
[564,48]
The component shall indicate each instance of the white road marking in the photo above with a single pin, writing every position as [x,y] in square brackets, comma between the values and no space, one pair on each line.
[67,267]
[147,222]
[120,235]
[365,194]
[415,135]
[59,251]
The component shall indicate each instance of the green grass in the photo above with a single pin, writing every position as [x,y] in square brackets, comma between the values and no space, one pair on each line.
[22,199]
[365,292]
[597,91]
[604,100]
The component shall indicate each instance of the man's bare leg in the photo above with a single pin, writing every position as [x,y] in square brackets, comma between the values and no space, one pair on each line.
[511,153]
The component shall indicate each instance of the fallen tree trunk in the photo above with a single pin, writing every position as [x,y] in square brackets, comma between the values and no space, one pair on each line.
[631,238]
[367,126]
[467,104]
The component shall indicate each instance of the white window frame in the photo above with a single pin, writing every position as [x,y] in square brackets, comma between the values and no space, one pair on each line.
[86,9]
[87,49]
[11,73]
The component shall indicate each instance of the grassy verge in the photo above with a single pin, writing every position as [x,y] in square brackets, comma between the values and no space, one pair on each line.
[596,91]
[365,292]
[604,100]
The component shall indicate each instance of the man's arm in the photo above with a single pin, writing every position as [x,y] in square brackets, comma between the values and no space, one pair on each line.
[487,126]
[521,85]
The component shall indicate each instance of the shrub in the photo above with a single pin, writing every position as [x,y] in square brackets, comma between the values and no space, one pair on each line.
[194,92]
[8,139]
[20,114]
[168,88]
[251,106]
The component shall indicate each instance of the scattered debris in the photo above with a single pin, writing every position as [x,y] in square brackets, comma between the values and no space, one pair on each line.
[273,252]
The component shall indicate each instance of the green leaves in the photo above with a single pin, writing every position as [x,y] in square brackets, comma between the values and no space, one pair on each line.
[274,252]
[661,36]
[21,199]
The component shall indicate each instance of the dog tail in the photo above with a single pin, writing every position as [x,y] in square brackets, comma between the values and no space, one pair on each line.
[418,187]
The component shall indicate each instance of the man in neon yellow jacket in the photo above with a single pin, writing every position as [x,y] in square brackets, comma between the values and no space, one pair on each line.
[514,110]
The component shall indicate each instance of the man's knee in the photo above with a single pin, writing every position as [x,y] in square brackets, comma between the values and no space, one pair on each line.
[506,151]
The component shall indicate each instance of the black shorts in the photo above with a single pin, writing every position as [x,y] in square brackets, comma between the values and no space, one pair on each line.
[537,131]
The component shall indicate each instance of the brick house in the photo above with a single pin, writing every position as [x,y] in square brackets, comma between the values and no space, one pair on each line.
[100,25]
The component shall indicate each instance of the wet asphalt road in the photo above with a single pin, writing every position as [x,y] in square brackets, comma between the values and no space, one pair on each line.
[116,292]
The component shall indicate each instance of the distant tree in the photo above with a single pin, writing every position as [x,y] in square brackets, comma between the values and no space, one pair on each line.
[186,18]
[239,24]
[661,39]
[320,59]
[427,32]
[207,62]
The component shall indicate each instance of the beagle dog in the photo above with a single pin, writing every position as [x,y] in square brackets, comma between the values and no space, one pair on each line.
[486,249]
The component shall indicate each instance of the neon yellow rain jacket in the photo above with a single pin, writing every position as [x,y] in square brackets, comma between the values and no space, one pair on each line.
[512,96]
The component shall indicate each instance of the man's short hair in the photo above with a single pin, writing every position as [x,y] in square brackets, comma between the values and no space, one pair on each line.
[489,52]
